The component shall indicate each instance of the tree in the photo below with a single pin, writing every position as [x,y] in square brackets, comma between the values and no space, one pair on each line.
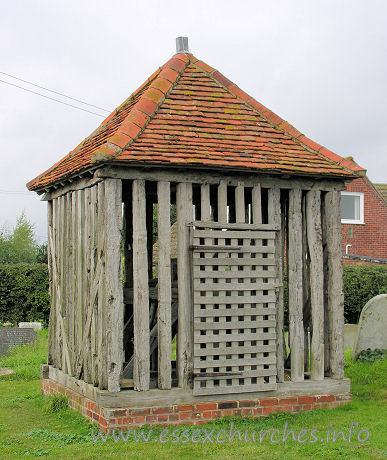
[20,245]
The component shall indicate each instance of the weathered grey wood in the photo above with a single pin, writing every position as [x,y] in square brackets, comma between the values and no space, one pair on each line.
[256,204]
[335,284]
[141,370]
[240,211]
[55,264]
[226,261]
[81,295]
[74,273]
[222,201]
[78,184]
[296,330]
[88,307]
[62,254]
[102,307]
[214,177]
[268,235]
[314,232]
[60,329]
[69,267]
[274,217]
[224,275]
[93,276]
[164,286]
[205,207]
[113,279]
[184,213]
[52,322]
[235,225]
[306,308]
[325,269]
[157,398]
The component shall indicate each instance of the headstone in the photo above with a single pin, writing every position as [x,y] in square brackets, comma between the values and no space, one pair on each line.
[350,334]
[13,336]
[35,325]
[372,326]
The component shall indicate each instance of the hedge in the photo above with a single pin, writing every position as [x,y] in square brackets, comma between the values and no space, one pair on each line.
[24,293]
[361,283]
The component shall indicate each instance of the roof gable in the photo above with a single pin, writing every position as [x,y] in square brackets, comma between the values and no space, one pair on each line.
[187,113]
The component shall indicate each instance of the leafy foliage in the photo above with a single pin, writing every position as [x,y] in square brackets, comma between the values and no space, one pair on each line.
[20,244]
[24,293]
[361,284]
[370,356]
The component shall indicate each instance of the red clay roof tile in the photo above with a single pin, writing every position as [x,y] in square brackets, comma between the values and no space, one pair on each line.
[189,113]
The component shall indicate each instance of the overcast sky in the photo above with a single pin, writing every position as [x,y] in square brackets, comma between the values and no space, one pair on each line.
[321,65]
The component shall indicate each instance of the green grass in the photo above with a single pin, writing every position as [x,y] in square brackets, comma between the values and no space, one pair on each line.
[25,360]
[32,425]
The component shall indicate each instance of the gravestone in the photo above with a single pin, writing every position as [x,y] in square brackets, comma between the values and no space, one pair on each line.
[350,334]
[372,326]
[13,336]
[35,325]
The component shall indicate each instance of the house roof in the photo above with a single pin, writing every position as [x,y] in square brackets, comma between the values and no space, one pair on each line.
[382,189]
[188,114]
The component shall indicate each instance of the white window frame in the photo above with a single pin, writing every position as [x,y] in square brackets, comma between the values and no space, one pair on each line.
[361,211]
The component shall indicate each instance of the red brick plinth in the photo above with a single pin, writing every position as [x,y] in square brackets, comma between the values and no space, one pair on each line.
[194,413]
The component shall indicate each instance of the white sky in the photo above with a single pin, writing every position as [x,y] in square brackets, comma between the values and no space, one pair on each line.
[319,64]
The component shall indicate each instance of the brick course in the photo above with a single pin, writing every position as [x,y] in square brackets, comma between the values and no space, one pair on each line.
[189,414]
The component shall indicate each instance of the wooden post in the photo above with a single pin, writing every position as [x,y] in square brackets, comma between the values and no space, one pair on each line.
[314,233]
[93,275]
[327,351]
[80,273]
[102,307]
[256,204]
[113,279]
[296,330]
[69,267]
[240,212]
[274,217]
[184,337]
[141,369]
[164,285]
[73,271]
[52,322]
[205,207]
[222,201]
[335,284]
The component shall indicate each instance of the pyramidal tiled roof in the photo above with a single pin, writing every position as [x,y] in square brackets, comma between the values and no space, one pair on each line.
[189,114]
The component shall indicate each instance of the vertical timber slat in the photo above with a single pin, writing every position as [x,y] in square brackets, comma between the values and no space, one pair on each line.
[296,330]
[164,285]
[113,278]
[52,322]
[184,337]
[314,233]
[274,217]
[335,284]
[222,201]
[256,204]
[101,330]
[141,368]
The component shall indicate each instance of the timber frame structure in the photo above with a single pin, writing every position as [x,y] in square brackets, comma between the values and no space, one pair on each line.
[240,228]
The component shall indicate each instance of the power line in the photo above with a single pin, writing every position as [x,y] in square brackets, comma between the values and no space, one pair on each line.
[15,192]
[55,92]
[51,98]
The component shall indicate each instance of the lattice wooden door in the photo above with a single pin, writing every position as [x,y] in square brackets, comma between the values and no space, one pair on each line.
[234,284]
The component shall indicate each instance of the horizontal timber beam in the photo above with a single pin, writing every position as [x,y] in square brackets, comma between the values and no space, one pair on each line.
[212,177]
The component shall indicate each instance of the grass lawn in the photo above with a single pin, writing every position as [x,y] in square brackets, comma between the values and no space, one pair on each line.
[29,427]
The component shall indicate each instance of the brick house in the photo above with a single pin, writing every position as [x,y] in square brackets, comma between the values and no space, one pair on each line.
[364,219]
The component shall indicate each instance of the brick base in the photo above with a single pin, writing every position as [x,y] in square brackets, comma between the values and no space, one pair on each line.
[194,413]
